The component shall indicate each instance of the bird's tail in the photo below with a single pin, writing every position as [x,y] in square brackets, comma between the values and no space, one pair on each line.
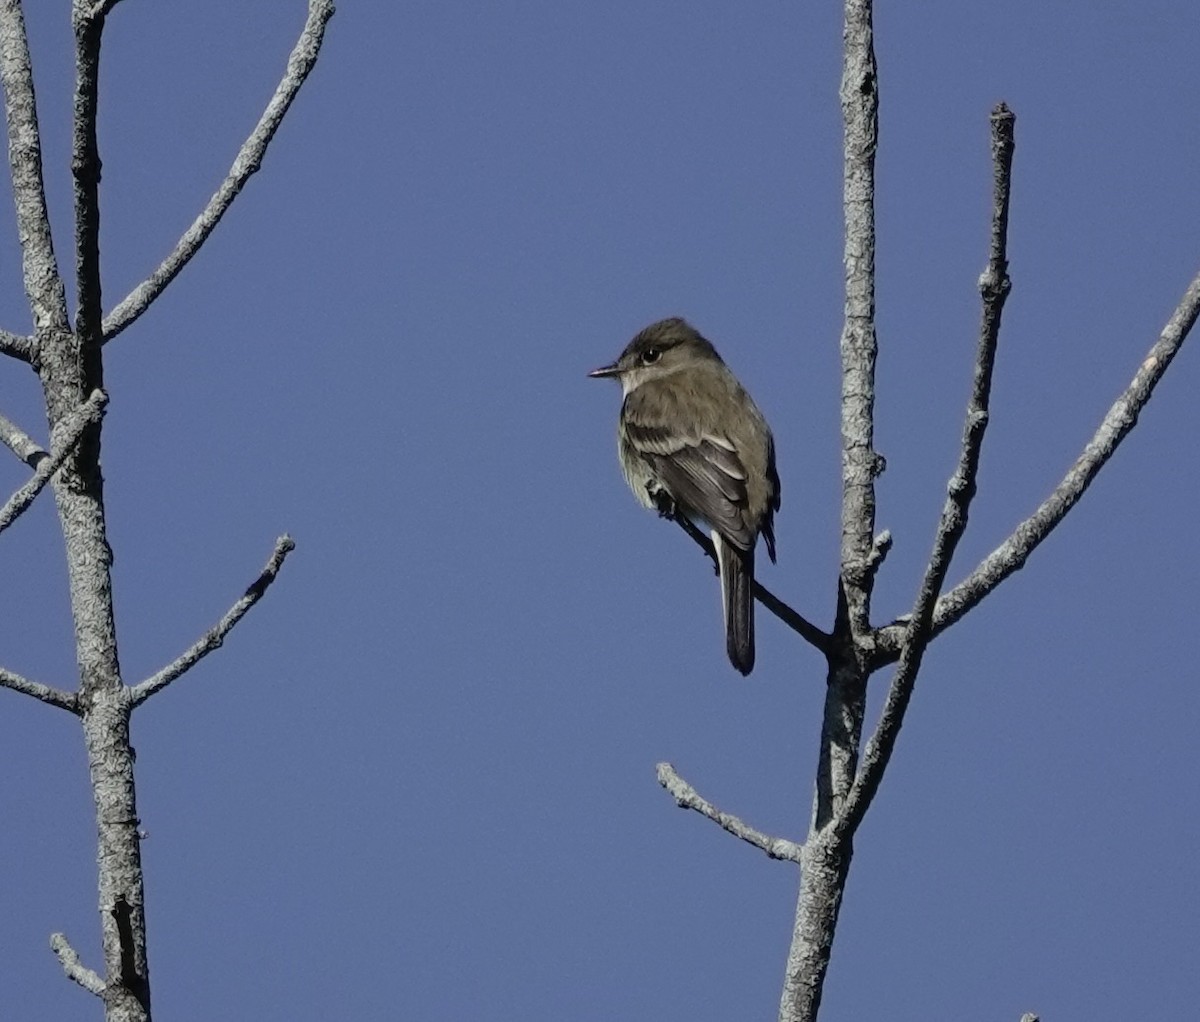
[737,602]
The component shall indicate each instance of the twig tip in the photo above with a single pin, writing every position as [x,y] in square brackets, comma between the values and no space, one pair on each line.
[75,970]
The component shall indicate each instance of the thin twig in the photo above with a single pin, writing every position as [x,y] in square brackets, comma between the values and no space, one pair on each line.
[994,286]
[44,693]
[21,443]
[215,636]
[43,284]
[1012,554]
[249,158]
[69,434]
[796,621]
[73,967]
[688,798]
[881,546]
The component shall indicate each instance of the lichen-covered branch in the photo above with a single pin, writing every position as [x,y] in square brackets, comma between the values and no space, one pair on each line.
[69,365]
[43,285]
[860,463]
[994,286]
[215,636]
[68,438]
[16,346]
[87,19]
[76,971]
[688,798]
[826,856]
[44,693]
[249,158]
[1012,554]
[21,443]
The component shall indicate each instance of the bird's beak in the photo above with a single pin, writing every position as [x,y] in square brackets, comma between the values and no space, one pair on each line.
[603,371]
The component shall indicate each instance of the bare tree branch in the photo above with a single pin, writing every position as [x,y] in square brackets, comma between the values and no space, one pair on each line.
[69,366]
[249,159]
[796,621]
[101,8]
[1012,554]
[43,284]
[44,693]
[881,546]
[859,554]
[70,432]
[21,443]
[860,463]
[16,346]
[826,855]
[688,798]
[994,286]
[87,19]
[73,967]
[215,636]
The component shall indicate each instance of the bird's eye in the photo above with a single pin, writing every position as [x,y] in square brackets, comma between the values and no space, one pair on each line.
[650,356]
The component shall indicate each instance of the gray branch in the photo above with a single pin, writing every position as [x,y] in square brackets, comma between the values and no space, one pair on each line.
[69,365]
[1012,554]
[69,434]
[16,346]
[43,285]
[73,967]
[100,8]
[881,546]
[249,159]
[823,873]
[688,798]
[215,636]
[859,347]
[994,286]
[21,443]
[44,693]
[87,19]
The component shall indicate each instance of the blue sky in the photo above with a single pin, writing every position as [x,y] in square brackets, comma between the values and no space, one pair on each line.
[418,781]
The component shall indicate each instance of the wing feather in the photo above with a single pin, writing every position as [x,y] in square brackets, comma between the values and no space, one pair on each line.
[700,469]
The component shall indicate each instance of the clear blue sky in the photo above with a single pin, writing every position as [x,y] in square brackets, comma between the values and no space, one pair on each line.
[418,782]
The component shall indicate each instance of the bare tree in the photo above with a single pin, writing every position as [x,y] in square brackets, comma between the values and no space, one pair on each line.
[848,774]
[67,353]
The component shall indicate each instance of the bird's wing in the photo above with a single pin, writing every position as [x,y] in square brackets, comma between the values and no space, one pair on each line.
[703,472]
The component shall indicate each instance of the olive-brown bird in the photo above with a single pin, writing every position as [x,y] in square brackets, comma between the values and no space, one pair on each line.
[692,443]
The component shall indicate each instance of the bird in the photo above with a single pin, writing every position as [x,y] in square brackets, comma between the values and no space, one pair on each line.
[693,444]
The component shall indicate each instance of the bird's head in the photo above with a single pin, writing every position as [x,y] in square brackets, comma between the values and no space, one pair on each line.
[662,348]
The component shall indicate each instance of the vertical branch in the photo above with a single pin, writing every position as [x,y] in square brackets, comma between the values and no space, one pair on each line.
[994,286]
[846,693]
[71,368]
[827,854]
[119,858]
[85,169]
[860,463]
[43,285]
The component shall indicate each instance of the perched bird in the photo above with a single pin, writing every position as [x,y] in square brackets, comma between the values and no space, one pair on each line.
[692,443]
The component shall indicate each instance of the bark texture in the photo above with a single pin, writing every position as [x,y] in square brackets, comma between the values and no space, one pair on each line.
[848,773]
[68,360]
